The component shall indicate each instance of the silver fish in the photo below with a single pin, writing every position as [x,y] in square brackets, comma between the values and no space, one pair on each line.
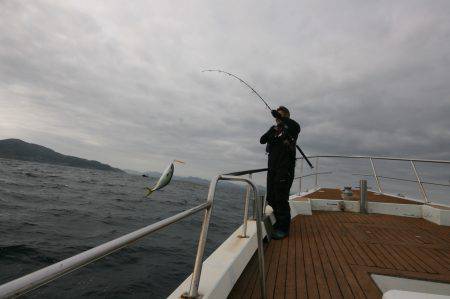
[165,178]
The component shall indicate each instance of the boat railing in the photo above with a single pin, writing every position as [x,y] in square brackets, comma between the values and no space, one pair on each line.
[420,183]
[45,275]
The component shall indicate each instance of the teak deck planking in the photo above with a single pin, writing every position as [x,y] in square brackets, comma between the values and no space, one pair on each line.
[332,254]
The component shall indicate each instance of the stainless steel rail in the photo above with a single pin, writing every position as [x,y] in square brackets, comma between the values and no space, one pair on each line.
[193,291]
[311,174]
[375,175]
[397,179]
[246,203]
[238,173]
[377,180]
[378,158]
[43,276]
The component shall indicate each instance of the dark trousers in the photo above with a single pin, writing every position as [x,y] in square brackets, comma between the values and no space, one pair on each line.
[278,199]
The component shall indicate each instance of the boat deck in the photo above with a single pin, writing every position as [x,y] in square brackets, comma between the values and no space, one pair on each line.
[332,254]
[328,193]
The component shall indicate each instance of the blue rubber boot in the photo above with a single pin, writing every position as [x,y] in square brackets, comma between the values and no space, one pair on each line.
[279,234]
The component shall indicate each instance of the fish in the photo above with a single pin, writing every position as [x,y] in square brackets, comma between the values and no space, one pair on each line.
[165,178]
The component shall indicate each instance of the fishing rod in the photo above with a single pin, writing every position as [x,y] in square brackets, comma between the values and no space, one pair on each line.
[246,84]
[267,105]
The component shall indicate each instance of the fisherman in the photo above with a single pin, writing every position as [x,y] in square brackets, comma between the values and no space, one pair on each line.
[281,140]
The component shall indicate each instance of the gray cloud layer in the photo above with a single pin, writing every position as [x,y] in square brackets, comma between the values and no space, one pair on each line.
[121,83]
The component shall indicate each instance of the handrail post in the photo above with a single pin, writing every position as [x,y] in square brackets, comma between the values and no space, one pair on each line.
[253,210]
[193,290]
[317,170]
[195,281]
[264,203]
[422,189]
[301,178]
[375,175]
[246,203]
[363,196]
[262,272]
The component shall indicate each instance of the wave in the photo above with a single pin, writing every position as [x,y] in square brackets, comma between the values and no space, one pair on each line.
[25,254]
[17,249]
[32,175]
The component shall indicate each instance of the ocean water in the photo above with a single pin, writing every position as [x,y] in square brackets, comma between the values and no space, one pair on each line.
[49,213]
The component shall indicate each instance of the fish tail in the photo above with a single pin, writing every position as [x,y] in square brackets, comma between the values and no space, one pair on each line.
[149,191]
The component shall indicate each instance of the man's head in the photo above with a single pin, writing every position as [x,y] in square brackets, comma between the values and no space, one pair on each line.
[283,111]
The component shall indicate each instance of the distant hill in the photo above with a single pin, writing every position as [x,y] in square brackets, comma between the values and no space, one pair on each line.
[196,180]
[21,150]
[191,179]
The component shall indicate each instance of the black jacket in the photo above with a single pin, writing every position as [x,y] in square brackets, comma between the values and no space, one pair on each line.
[281,141]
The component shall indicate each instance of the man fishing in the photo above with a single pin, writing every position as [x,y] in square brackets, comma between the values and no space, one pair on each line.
[281,143]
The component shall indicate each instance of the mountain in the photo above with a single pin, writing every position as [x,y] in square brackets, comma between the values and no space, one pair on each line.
[197,180]
[131,171]
[21,150]
[191,179]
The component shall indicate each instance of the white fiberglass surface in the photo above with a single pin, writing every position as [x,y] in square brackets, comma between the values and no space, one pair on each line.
[387,283]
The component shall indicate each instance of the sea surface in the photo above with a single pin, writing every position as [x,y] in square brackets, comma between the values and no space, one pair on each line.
[49,213]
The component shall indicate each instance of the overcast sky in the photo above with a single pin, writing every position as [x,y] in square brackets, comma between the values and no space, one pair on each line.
[121,81]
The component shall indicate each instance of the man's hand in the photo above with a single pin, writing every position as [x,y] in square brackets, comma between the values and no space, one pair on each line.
[275,114]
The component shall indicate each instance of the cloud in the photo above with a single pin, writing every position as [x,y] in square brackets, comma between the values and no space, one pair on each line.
[122,83]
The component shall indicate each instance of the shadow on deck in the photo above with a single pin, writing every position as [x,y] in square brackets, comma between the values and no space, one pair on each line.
[332,254]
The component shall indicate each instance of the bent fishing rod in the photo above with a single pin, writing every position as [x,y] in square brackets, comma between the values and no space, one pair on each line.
[267,105]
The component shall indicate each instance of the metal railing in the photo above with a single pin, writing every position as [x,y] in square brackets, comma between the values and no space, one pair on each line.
[43,276]
[374,174]
[193,292]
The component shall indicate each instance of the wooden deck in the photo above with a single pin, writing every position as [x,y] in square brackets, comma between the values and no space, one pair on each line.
[328,193]
[332,254]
